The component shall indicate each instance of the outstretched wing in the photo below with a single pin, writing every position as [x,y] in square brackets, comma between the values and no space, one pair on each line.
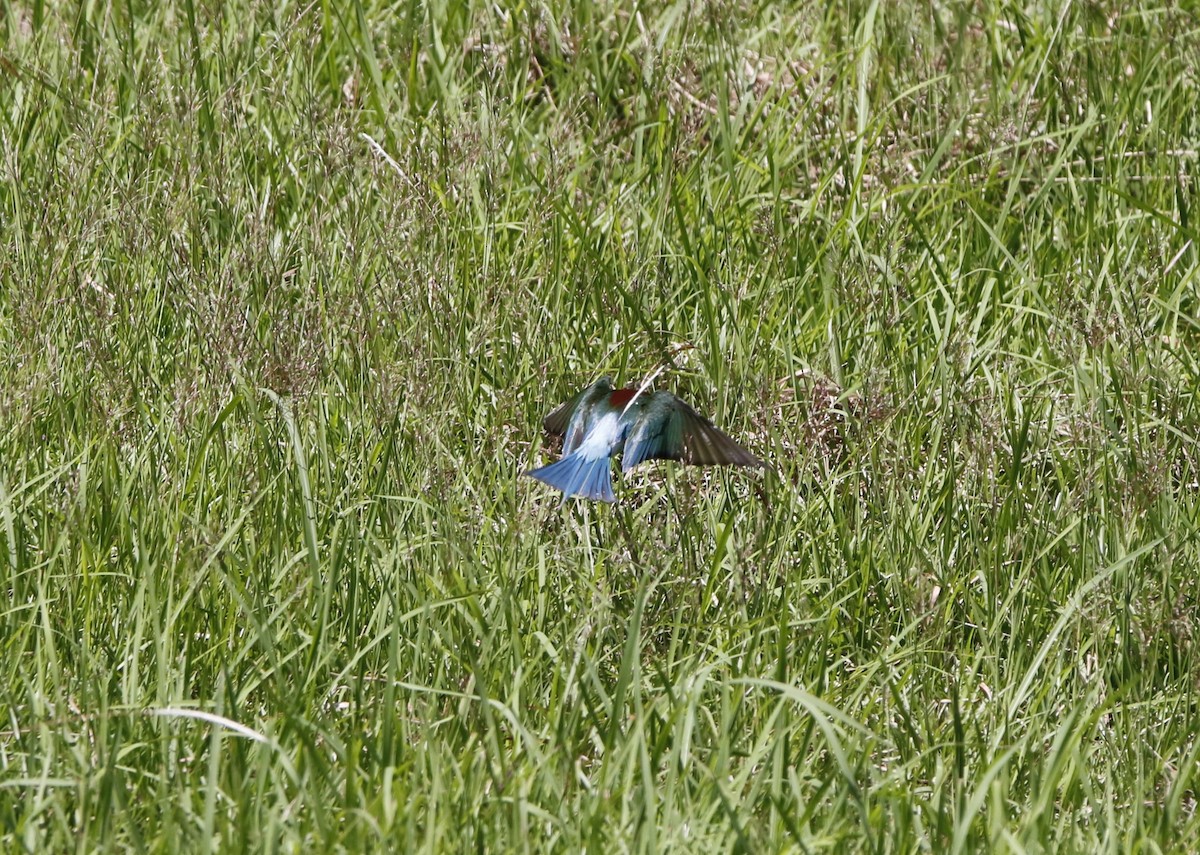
[666,428]
[562,421]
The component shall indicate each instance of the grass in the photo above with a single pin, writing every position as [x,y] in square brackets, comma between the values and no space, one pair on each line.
[285,291]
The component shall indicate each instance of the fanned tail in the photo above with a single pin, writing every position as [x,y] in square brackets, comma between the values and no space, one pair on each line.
[576,475]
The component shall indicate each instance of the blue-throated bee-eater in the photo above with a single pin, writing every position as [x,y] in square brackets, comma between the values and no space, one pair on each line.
[601,421]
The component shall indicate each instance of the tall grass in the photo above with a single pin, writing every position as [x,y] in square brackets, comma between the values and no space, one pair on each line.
[285,291]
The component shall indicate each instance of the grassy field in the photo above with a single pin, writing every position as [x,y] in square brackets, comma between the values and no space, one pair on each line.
[286,290]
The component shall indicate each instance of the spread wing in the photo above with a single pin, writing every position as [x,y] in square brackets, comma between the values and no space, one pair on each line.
[562,421]
[666,428]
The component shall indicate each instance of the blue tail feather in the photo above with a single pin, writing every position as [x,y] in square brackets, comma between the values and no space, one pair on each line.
[577,475]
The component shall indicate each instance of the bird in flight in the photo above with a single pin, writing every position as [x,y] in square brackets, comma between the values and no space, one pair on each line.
[601,421]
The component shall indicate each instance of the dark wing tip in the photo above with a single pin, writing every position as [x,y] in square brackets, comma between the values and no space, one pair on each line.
[556,421]
[560,417]
[707,445]
[712,447]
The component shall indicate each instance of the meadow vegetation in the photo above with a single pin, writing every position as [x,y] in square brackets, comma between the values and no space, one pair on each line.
[286,290]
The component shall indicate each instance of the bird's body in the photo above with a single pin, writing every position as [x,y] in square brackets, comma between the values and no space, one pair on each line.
[601,422]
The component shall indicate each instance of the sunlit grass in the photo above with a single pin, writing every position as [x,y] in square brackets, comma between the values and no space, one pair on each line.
[286,291]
